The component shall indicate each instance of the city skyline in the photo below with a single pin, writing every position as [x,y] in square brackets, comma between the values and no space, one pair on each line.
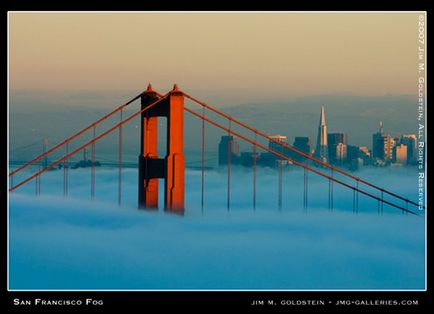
[402,137]
[331,148]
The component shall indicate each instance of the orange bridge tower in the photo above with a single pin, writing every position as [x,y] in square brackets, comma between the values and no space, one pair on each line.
[172,167]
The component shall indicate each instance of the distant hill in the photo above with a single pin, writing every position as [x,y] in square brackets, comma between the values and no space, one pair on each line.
[356,115]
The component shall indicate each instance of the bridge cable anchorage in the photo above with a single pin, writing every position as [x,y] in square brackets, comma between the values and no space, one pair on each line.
[296,162]
[120,161]
[77,150]
[92,169]
[203,159]
[65,172]
[296,150]
[229,165]
[69,139]
[254,173]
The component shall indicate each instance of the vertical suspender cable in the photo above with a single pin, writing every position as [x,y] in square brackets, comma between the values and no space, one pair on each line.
[331,191]
[382,204]
[11,182]
[120,161]
[203,158]
[354,200]
[44,165]
[229,165]
[38,181]
[279,165]
[254,173]
[357,196]
[305,189]
[65,173]
[92,169]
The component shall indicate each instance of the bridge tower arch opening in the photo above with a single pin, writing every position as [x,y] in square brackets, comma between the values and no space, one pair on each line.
[171,167]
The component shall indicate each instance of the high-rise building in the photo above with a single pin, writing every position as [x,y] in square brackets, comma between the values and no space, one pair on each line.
[227,145]
[410,141]
[382,145]
[279,138]
[302,144]
[388,144]
[353,159]
[247,159]
[341,153]
[277,147]
[337,155]
[377,143]
[352,153]
[365,155]
[267,159]
[364,151]
[400,154]
[321,151]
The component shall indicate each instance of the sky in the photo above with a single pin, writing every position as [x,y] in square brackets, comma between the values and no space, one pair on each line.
[74,243]
[249,55]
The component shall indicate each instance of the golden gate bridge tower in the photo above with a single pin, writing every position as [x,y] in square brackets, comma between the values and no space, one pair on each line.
[171,168]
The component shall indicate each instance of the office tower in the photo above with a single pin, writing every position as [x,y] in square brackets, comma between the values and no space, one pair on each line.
[400,154]
[277,147]
[321,151]
[228,144]
[302,144]
[355,156]
[365,155]
[388,144]
[410,141]
[378,143]
[337,155]
[247,159]
[352,153]
[341,153]
[364,151]
[382,145]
